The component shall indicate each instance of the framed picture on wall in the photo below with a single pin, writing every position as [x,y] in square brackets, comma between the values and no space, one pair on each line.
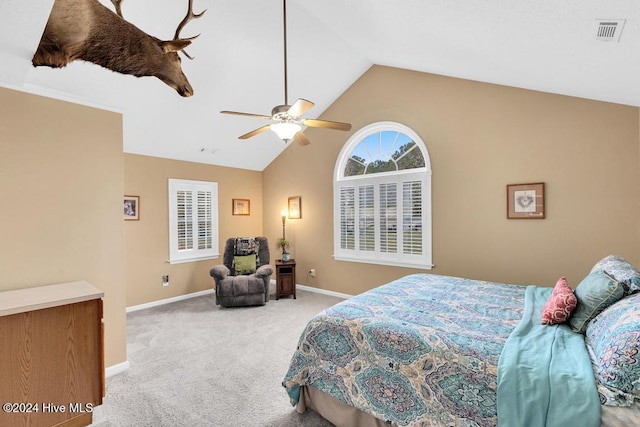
[295,207]
[525,201]
[241,206]
[131,208]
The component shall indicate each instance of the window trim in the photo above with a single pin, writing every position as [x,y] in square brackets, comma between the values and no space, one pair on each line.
[423,261]
[177,256]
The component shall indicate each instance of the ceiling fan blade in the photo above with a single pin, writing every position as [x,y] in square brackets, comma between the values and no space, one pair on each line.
[315,123]
[300,107]
[301,138]
[238,113]
[254,132]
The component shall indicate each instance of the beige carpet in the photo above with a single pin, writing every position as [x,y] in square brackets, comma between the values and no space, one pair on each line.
[193,363]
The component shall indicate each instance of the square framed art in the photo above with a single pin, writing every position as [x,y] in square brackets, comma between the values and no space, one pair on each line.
[525,201]
[241,206]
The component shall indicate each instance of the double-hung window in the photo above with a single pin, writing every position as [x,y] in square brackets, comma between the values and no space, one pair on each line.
[193,220]
[382,198]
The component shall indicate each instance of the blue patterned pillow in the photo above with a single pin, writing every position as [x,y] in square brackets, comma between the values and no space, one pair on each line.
[596,292]
[622,270]
[613,340]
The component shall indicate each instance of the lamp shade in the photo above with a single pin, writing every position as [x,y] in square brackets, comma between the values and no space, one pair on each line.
[285,130]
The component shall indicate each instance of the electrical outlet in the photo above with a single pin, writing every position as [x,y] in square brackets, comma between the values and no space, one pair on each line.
[165,280]
[312,272]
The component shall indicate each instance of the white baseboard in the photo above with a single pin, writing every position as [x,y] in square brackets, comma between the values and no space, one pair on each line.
[211,291]
[318,290]
[323,291]
[168,300]
[116,369]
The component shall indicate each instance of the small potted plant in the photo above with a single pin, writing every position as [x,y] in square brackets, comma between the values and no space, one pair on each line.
[284,245]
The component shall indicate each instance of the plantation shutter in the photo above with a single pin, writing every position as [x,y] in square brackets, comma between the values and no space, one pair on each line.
[366,218]
[193,222]
[347,218]
[412,217]
[185,220]
[205,231]
[389,218]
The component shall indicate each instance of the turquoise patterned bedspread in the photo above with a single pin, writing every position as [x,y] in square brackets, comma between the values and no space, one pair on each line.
[421,350]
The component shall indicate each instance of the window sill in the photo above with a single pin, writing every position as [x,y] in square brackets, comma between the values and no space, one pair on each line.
[379,261]
[195,259]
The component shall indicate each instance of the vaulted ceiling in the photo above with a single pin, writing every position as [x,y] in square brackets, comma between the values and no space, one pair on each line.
[544,45]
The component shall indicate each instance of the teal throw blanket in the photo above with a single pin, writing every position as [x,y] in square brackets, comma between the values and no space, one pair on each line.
[545,376]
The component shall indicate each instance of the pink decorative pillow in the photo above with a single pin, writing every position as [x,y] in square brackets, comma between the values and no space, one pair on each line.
[560,304]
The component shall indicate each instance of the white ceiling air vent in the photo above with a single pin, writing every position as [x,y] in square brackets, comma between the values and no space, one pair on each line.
[609,29]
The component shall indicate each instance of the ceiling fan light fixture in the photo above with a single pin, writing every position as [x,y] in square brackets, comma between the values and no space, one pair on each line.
[286,130]
[288,123]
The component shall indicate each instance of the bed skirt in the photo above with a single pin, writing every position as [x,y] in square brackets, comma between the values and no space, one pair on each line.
[335,411]
[621,416]
[343,415]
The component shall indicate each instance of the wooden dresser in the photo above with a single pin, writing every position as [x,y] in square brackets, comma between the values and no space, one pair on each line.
[51,355]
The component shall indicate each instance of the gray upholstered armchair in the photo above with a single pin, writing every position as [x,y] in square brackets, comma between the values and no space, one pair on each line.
[245,274]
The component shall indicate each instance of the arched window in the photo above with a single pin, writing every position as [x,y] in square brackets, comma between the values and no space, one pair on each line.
[382,198]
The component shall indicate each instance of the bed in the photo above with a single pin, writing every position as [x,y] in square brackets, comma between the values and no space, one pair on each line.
[431,350]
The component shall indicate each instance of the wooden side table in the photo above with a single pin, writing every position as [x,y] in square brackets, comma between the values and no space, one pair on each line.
[285,278]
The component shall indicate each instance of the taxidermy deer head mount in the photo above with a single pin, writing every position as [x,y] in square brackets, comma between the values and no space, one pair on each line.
[87,30]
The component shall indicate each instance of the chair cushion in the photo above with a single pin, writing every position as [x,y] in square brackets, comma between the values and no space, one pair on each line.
[237,291]
[244,264]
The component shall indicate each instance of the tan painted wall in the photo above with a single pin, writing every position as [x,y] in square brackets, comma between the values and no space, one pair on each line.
[147,240]
[480,138]
[61,181]
[62,164]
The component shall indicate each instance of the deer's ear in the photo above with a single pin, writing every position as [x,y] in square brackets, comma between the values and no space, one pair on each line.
[174,45]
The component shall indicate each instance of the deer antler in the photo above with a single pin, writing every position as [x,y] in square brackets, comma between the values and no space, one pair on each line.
[188,17]
[116,4]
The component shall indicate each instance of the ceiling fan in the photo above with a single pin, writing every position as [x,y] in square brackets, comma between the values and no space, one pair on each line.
[287,118]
